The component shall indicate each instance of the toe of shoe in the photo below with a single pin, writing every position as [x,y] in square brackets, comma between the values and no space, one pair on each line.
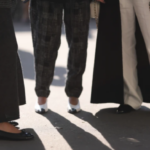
[73,111]
[42,111]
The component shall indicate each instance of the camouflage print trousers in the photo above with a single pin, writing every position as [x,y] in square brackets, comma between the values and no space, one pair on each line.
[46,22]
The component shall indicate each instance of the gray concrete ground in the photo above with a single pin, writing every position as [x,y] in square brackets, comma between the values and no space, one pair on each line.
[97,127]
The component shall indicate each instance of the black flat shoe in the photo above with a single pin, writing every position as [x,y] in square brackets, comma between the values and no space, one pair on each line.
[124,109]
[16,136]
[13,123]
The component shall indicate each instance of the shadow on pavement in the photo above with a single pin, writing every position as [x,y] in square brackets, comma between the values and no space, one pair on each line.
[123,132]
[27,62]
[59,76]
[76,137]
[34,144]
[22,27]
[92,26]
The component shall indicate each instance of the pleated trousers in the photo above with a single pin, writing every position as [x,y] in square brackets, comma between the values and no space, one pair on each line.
[130,9]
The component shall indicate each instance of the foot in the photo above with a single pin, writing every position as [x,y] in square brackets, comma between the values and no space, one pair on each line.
[41,105]
[9,132]
[42,100]
[7,127]
[73,105]
[124,109]
[73,100]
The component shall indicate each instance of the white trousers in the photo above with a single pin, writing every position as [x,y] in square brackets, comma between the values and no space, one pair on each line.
[130,8]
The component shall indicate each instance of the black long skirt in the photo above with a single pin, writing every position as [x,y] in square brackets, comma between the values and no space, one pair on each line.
[11,80]
[108,69]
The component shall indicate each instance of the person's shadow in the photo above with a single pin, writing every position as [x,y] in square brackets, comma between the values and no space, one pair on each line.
[123,132]
[27,62]
[34,144]
[77,138]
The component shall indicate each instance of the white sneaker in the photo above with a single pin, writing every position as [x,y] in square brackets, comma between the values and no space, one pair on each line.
[73,108]
[41,109]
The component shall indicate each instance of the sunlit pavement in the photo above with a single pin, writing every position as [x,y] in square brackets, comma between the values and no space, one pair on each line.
[97,127]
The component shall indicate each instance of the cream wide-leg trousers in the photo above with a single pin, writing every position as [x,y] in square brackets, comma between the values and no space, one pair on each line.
[130,8]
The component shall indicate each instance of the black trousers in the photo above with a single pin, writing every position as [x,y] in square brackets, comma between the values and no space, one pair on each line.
[46,22]
[11,81]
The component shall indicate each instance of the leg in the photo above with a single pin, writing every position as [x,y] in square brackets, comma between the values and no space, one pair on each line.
[9,108]
[46,21]
[132,93]
[77,26]
[9,93]
[142,9]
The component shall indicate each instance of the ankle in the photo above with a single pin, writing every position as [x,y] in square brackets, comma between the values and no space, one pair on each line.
[2,125]
[73,100]
[42,100]
[7,127]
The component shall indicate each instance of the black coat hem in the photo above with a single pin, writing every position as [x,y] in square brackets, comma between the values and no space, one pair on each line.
[4,119]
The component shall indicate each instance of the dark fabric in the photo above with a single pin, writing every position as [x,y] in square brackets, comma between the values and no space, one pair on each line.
[8,3]
[46,22]
[108,71]
[11,81]
[5,3]
[111,2]
[62,1]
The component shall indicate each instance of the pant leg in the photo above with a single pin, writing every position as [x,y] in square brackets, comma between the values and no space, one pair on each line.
[132,93]
[46,21]
[77,15]
[142,10]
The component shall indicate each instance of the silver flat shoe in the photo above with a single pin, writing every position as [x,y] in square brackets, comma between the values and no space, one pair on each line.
[73,108]
[41,109]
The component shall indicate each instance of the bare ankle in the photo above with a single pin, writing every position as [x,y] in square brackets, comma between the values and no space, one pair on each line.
[2,125]
[73,100]
[42,100]
[7,127]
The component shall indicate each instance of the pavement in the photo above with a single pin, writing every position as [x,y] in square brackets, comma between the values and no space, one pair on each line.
[97,127]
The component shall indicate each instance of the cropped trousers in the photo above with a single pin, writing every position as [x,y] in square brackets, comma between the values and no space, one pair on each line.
[46,22]
[130,9]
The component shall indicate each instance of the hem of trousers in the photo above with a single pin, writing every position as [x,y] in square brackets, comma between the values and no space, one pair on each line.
[132,104]
[42,93]
[76,95]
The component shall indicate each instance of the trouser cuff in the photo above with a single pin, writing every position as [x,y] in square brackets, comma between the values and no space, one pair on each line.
[73,93]
[42,93]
